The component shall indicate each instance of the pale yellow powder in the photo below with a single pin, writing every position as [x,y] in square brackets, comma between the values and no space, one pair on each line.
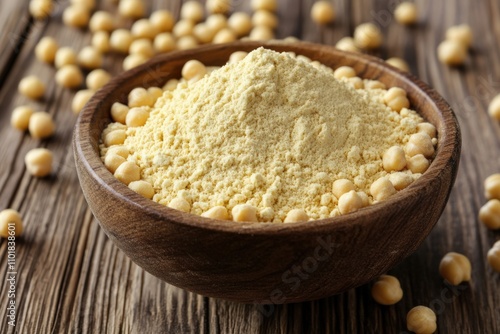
[271,131]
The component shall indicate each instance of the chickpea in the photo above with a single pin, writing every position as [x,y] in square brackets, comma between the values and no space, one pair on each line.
[11,223]
[374,84]
[31,87]
[101,21]
[342,186]
[100,41]
[134,60]
[224,36]
[244,213]
[216,22]
[421,320]
[398,63]
[115,137]
[171,84]
[489,214]
[128,172]
[461,33]
[80,100]
[113,161]
[180,204]
[237,56]
[452,52]
[183,28]
[139,97]
[65,56]
[118,150]
[69,76]
[355,82]
[387,290]
[261,33]
[164,42]
[267,214]
[347,44]
[89,4]
[133,9]
[494,108]
[217,212]
[344,72]
[120,40]
[291,39]
[350,202]
[142,46]
[46,49]
[270,5]
[368,36]
[41,9]
[427,128]
[143,188]
[192,10]
[418,163]
[162,20]
[396,99]
[382,189]
[90,58]
[41,125]
[218,6]
[119,112]
[264,18]
[322,12]
[143,28]
[492,186]
[155,93]
[136,117]
[494,256]
[97,79]
[240,23]
[76,16]
[455,268]
[296,215]
[20,117]
[187,42]
[400,180]
[394,159]
[406,13]
[193,70]
[39,162]
[420,143]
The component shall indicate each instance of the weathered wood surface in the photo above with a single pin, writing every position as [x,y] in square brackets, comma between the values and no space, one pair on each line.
[71,278]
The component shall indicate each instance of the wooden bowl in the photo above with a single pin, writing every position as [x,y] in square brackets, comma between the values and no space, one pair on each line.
[263,262]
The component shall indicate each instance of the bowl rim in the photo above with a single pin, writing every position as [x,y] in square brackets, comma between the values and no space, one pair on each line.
[448,151]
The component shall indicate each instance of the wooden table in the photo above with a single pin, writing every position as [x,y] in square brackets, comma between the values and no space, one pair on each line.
[71,278]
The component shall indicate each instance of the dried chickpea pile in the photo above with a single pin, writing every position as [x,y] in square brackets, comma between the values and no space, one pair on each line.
[202,149]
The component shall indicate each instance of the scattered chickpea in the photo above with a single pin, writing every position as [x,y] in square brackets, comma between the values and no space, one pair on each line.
[180,204]
[406,13]
[398,63]
[119,150]
[186,42]
[347,44]
[41,9]
[80,100]
[396,99]
[142,46]
[218,6]
[115,137]
[322,12]
[31,87]
[20,117]
[455,268]
[69,76]
[264,18]
[101,21]
[90,58]
[41,125]
[133,9]
[155,93]
[76,16]
[164,42]
[143,188]
[240,23]
[382,189]
[355,82]
[420,143]
[261,33]
[244,213]
[162,20]
[374,84]
[46,49]
[11,223]
[344,72]
[400,180]
[461,33]
[128,172]
[192,10]
[171,84]
[494,256]
[494,108]
[65,56]
[427,128]
[387,290]
[421,320]
[120,40]
[270,5]
[38,162]
[216,22]
[217,212]
[296,215]
[237,56]
[341,187]
[97,79]
[368,36]
[452,52]
[193,70]
[492,186]
[113,161]
[119,112]
[203,33]
[350,202]
[100,41]
[134,60]
[136,117]
[89,4]
[224,36]
[183,28]
[418,163]
[394,159]
[143,28]
[139,97]
[489,214]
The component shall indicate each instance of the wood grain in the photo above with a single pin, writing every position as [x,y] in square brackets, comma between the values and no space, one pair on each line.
[72,279]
